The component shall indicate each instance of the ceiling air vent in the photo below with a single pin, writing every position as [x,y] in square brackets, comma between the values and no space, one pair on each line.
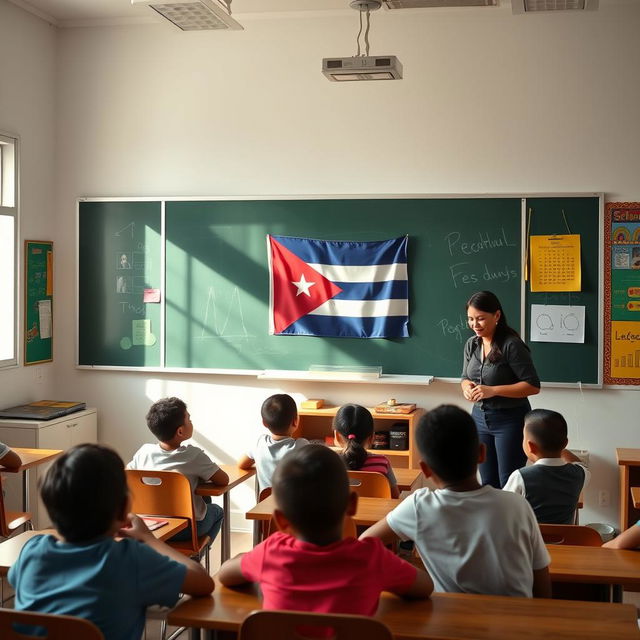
[534,6]
[432,4]
[195,15]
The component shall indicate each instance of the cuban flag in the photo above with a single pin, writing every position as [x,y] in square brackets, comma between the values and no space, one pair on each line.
[338,289]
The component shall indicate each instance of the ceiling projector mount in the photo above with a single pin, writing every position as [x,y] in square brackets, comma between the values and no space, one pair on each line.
[362,66]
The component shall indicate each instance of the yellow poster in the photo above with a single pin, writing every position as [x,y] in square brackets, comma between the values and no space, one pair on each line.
[625,349]
[555,263]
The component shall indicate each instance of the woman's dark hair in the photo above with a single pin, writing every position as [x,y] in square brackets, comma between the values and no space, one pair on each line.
[488,302]
[355,424]
[85,492]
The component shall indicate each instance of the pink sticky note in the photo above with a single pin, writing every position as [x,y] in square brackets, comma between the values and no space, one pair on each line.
[151,295]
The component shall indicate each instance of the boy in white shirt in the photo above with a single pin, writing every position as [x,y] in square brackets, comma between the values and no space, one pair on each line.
[472,539]
[280,416]
[170,422]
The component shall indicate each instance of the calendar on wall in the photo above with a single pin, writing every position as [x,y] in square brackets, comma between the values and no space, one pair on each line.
[555,263]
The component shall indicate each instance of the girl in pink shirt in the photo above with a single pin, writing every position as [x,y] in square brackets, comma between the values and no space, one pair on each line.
[353,429]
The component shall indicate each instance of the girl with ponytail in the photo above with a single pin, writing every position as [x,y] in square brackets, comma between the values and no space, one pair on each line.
[353,430]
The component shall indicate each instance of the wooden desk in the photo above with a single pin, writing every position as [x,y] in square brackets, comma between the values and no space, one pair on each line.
[30,458]
[446,615]
[369,511]
[408,479]
[635,497]
[629,467]
[10,549]
[594,564]
[236,476]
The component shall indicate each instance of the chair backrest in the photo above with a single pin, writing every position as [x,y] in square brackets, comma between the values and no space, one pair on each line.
[294,625]
[162,493]
[369,484]
[10,520]
[570,534]
[56,627]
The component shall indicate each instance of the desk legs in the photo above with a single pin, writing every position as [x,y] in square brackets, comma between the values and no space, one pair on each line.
[25,490]
[225,543]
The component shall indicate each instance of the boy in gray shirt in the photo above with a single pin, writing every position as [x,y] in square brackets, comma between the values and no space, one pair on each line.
[280,416]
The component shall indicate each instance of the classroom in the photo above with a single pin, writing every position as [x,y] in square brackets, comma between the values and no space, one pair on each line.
[107,105]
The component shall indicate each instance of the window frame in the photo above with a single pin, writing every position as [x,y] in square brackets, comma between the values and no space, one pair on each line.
[9,206]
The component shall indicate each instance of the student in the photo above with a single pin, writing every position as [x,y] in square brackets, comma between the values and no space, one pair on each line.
[307,566]
[353,430]
[9,458]
[280,416]
[628,539]
[170,422]
[84,571]
[471,538]
[552,484]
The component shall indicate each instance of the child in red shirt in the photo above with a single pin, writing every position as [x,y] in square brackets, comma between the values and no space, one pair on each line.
[353,430]
[307,566]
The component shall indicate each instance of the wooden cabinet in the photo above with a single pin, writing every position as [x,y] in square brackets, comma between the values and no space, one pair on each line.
[59,433]
[629,466]
[316,424]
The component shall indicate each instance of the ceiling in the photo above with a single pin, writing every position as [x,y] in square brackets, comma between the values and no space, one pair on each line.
[76,12]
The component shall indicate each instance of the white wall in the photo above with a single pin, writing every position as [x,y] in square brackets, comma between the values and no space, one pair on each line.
[490,103]
[27,74]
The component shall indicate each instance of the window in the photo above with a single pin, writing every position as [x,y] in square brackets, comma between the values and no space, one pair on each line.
[8,242]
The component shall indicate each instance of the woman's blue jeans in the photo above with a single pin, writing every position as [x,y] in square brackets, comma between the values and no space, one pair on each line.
[500,430]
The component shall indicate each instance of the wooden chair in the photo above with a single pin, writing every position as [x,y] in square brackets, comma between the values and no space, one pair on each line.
[11,520]
[168,493]
[570,534]
[575,535]
[294,625]
[56,627]
[369,484]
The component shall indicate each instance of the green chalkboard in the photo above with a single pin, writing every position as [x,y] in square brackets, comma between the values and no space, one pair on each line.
[563,362]
[215,285]
[38,301]
[119,257]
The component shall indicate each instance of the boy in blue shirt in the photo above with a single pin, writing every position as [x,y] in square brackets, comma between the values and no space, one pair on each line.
[84,570]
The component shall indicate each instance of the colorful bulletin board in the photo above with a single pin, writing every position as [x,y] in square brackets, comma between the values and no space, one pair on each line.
[38,301]
[622,293]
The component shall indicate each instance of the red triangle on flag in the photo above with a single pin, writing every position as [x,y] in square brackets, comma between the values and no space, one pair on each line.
[296,288]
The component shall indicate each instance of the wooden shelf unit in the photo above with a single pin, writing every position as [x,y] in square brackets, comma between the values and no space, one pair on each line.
[316,424]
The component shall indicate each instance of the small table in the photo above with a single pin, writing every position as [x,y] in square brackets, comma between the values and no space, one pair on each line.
[236,476]
[594,564]
[30,458]
[407,478]
[10,549]
[369,510]
[458,616]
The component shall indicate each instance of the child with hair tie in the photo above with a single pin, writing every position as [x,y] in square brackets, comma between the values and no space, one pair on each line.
[353,429]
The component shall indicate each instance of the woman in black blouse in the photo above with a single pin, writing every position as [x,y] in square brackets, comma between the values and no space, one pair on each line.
[498,376]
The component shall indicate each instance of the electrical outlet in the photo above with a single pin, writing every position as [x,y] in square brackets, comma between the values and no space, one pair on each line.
[604,498]
[37,374]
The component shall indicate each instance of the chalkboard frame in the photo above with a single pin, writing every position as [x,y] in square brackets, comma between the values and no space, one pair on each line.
[392,379]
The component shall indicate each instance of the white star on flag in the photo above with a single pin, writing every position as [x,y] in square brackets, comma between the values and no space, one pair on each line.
[303,286]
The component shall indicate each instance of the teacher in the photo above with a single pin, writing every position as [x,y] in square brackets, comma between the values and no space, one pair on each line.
[498,376]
